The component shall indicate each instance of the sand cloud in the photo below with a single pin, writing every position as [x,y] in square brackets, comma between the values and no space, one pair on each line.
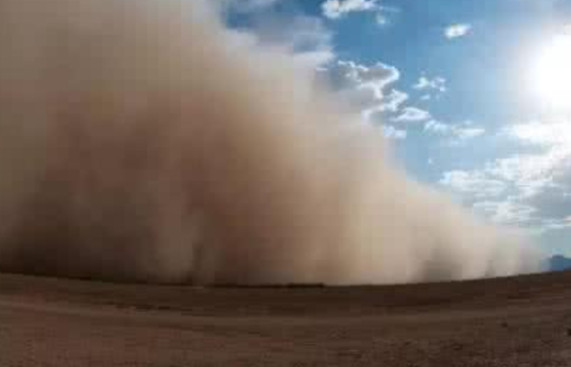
[140,140]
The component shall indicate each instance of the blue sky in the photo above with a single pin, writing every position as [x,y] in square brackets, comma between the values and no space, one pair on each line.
[475,95]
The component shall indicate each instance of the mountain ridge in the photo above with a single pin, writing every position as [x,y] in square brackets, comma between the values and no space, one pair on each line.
[558,263]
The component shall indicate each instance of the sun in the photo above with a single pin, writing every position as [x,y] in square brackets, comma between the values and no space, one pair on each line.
[551,73]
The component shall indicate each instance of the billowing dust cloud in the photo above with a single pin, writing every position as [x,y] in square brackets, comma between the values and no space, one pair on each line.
[141,140]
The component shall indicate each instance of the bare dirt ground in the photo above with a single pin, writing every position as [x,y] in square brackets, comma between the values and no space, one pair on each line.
[521,321]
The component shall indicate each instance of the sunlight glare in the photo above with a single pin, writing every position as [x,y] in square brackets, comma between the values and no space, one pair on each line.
[551,74]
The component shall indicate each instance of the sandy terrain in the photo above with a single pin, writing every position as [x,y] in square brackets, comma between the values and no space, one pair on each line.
[522,321]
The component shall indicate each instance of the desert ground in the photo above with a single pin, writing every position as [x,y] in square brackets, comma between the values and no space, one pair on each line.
[519,321]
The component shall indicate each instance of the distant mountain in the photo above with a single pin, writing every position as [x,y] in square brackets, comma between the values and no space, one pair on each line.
[559,263]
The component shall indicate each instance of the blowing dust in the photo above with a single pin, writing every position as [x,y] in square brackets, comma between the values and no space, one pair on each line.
[142,140]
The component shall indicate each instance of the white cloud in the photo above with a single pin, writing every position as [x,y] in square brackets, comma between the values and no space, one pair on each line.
[247,6]
[541,133]
[426,97]
[437,127]
[430,87]
[382,19]
[484,187]
[306,37]
[457,30]
[310,40]
[507,212]
[336,9]
[437,84]
[316,58]
[388,103]
[412,114]
[529,173]
[555,224]
[370,90]
[393,133]
[477,184]
[469,132]
[487,194]
[367,88]
[393,101]
[538,183]
[459,132]
[550,164]
[378,75]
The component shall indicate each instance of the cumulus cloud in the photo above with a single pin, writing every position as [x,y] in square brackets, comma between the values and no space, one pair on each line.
[378,75]
[556,133]
[366,88]
[310,40]
[457,30]
[430,87]
[464,133]
[382,19]
[507,212]
[436,84]
[548,166]
[543,178]
[306,37]
[489,195]
[370,90]
[554,224]
[336,9]
[393,133]
[247,6]
[531,189]
[476,184]
[393,101]
[456,132]
[412,114]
